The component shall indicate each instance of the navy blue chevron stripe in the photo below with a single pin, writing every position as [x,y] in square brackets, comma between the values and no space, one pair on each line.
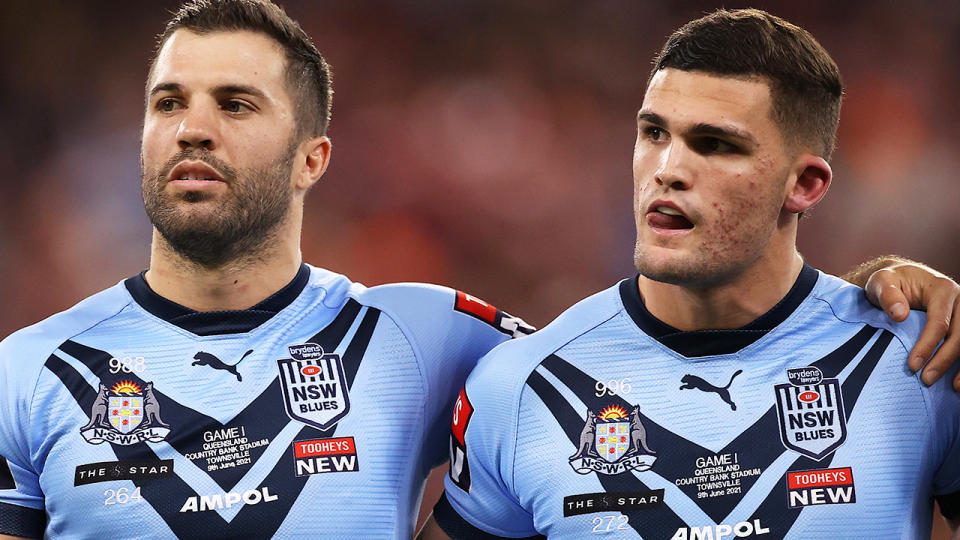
[773,510]
[661,522]
[764,449]
[282,476]
[186,424]
[167,495]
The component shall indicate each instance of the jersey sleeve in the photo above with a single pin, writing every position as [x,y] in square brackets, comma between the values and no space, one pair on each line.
[946,424]
[21,500]
[480,500]
[451,330]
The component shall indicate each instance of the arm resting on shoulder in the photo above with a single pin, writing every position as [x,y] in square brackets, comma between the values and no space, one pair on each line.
[893,283]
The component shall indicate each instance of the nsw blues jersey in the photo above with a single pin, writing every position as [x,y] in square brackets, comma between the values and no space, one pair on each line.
[318,412]
[607,423]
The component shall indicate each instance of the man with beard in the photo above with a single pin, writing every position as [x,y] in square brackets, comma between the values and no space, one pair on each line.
[826,434]
[232,390]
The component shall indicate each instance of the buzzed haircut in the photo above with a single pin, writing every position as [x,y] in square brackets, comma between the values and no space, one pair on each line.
[805,84]
[308,74]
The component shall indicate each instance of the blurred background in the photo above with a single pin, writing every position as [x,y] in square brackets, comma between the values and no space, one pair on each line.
[484,145]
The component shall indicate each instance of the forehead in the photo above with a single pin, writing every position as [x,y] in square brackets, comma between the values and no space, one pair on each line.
[692,97]
[217,58]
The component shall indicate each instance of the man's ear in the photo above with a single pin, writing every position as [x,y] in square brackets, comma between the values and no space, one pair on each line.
[316,157]
[809,182]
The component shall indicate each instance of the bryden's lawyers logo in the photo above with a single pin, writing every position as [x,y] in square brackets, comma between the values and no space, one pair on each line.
[612,442]
[314,387]
[125,414]
[810,412]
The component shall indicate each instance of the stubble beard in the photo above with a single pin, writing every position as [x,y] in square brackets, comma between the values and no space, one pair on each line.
[243,225]
[689,273]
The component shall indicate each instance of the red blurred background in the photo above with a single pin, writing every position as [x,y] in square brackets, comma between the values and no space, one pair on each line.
[480,144]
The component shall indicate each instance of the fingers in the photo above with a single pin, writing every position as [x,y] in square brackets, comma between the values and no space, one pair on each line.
[948,352]
[884,291]
[939,316]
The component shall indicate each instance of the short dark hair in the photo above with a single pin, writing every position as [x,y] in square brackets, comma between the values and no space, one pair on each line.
[805,84]
[308,74]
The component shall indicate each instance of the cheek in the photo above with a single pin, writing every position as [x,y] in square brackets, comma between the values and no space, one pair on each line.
[739,218]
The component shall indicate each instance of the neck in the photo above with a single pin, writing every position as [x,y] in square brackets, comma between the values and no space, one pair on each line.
[236,285]
[732,303]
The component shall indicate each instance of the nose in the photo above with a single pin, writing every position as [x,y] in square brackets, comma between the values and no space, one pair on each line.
[673,169]
[198,128]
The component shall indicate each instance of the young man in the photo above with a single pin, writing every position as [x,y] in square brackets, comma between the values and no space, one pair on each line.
[232,390]
[729,390]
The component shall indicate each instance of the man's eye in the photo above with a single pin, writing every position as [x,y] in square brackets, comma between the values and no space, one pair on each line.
[654,133]
[235,106]
[167,105]
[712,145]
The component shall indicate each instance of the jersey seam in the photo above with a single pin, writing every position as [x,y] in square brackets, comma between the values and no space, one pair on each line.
[418,353]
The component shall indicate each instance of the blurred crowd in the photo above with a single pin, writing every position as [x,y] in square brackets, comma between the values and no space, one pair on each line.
[483,144]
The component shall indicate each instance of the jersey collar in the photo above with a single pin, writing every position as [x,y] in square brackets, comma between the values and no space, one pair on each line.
[212,323]
[715,342]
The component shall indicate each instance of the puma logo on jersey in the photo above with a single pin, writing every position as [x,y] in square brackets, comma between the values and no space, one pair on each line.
[207,359]
[692,382]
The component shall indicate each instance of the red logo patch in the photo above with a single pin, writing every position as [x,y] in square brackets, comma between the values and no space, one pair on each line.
[476,307]
[310,370]
[462,411]
[807,397]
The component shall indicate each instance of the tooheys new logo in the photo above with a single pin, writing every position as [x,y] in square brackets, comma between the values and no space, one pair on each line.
[810,412]
[314,387]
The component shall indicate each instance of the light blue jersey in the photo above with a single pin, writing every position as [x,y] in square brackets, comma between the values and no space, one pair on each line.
[803,424]
[317,413]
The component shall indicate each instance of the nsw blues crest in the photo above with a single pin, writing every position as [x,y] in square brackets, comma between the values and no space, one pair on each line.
[612,442]
[314,386]
[810,412]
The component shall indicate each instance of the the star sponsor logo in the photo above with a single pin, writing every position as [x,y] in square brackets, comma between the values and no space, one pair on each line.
[106,471]
[622,501]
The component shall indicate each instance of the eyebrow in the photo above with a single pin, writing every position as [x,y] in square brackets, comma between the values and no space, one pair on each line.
[702,128]
[222,89]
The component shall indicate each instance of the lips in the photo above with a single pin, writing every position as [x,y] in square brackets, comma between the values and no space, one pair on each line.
[666,215]
[194,171]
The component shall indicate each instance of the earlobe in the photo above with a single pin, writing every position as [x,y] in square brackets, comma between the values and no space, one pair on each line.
[813,176]
[316,158]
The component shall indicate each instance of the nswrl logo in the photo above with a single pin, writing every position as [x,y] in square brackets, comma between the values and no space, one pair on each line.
[125,414]
[612,442]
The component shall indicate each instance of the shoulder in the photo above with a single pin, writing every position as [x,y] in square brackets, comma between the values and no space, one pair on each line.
[513,361]
[848,303]
[403,300]
[23,353]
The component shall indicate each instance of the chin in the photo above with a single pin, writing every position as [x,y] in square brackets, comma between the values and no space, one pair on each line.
[675,268]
